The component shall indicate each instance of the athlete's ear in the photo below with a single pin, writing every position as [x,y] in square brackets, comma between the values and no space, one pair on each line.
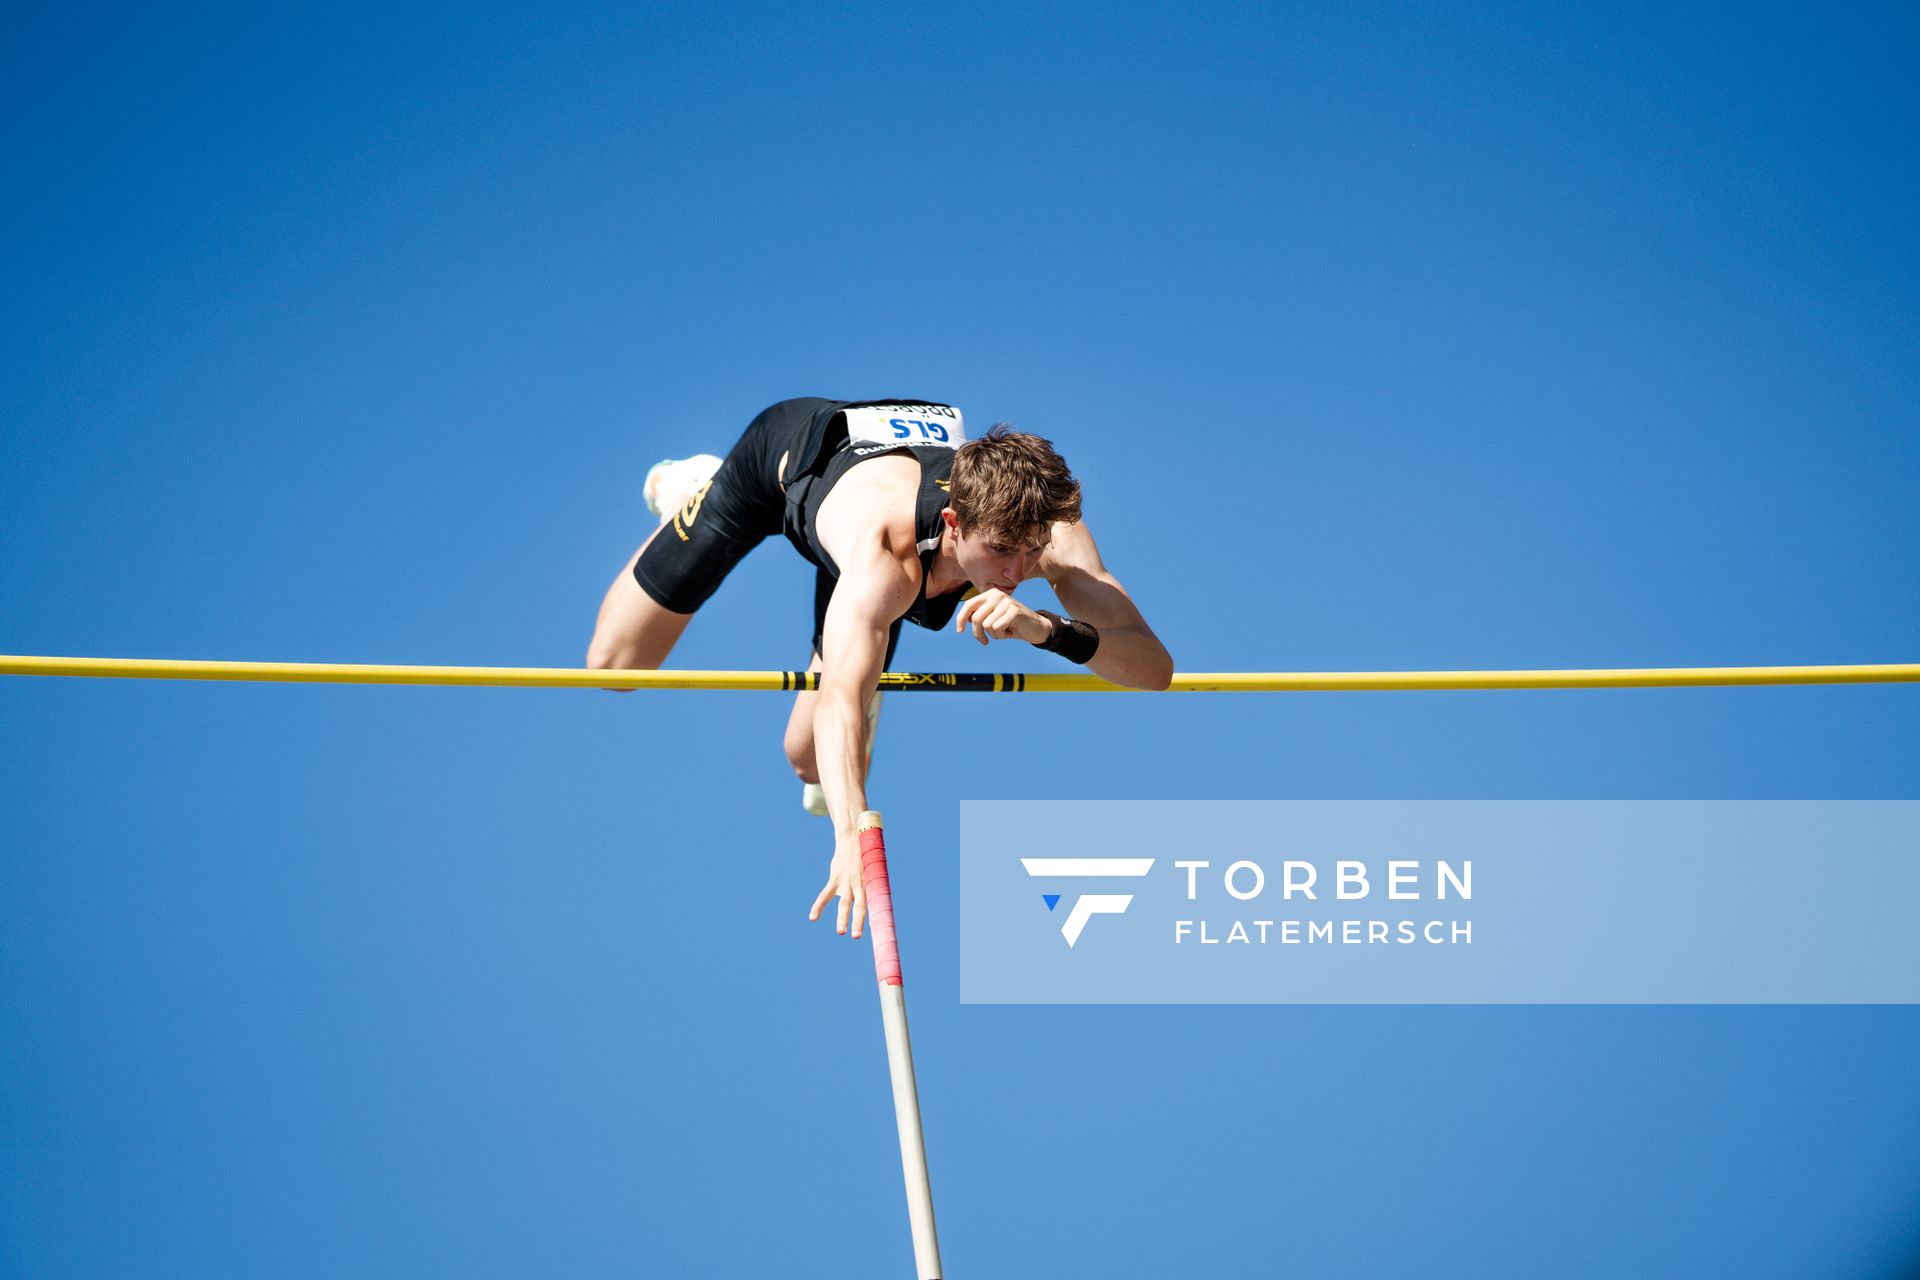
[953,521]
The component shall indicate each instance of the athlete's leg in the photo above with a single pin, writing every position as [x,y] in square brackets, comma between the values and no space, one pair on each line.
[634,632]
[799,738]
[800,748]
[713,512]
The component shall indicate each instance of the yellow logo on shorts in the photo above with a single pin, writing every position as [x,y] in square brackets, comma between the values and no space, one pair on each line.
[684,518]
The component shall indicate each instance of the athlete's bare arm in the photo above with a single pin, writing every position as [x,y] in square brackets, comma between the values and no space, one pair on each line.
[872,543]
[1129,652]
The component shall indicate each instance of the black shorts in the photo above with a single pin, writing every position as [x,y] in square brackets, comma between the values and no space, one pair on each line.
[694,551]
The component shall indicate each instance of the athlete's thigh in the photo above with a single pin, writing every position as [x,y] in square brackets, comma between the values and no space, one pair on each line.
[799,737]
[634,632]
[722,520]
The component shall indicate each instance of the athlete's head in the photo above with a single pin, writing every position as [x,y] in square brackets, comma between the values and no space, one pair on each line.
[1008,491]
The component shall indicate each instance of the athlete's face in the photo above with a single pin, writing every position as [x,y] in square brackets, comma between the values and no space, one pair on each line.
[997,560]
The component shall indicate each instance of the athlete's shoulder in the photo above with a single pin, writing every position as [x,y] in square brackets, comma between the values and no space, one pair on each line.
[879,482]
[1070,549]
[873,503]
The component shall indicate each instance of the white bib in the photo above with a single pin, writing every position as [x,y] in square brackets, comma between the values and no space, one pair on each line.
[937,426]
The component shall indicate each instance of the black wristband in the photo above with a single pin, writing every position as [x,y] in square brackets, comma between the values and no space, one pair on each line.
[1072,639]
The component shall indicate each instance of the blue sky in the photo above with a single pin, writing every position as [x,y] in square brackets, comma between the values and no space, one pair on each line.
[1382,338]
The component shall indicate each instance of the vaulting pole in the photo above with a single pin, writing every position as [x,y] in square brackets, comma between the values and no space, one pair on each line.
[893,1015]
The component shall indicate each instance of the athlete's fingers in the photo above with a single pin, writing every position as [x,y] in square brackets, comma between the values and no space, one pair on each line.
[996,617]
[859,915]
[820,901]
[840,926]
[975,607]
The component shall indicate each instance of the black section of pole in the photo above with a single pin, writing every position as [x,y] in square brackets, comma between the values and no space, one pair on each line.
[947,681]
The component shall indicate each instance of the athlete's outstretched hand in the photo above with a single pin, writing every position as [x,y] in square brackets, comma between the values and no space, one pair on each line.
[845,883]
[995,615]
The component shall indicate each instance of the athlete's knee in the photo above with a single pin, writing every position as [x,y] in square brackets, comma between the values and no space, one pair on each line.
[799,749]
[619,644]
[610,653]
[605,654]
[799,740]
[634,631]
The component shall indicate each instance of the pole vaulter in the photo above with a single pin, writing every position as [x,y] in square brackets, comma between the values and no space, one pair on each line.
[904,520]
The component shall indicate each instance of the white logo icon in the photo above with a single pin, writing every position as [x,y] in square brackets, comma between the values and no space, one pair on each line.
[1087,905]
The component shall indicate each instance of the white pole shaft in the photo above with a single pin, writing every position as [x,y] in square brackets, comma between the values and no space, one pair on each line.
[893,1016]
[913,1146]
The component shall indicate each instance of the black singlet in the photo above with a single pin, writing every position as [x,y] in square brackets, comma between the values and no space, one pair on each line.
[824,456]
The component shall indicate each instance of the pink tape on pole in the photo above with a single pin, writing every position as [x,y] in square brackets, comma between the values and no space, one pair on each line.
[873,873]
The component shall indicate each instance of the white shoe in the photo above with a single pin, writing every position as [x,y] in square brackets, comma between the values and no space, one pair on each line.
[672,481]
[813,797]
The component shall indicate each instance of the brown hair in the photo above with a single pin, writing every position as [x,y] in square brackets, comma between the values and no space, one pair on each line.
[1008,484]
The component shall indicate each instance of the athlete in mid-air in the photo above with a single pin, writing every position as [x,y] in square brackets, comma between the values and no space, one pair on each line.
[906,520]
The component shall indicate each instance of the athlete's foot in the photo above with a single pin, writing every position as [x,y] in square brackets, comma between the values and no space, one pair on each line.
[671,482]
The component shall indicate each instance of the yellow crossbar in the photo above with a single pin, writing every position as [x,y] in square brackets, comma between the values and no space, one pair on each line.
[952,682]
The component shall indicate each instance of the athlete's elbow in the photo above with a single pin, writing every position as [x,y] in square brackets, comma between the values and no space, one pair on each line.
[1157,673]
[1152,674]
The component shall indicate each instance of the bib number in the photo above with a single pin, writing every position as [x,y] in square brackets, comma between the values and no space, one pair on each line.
[930,425]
